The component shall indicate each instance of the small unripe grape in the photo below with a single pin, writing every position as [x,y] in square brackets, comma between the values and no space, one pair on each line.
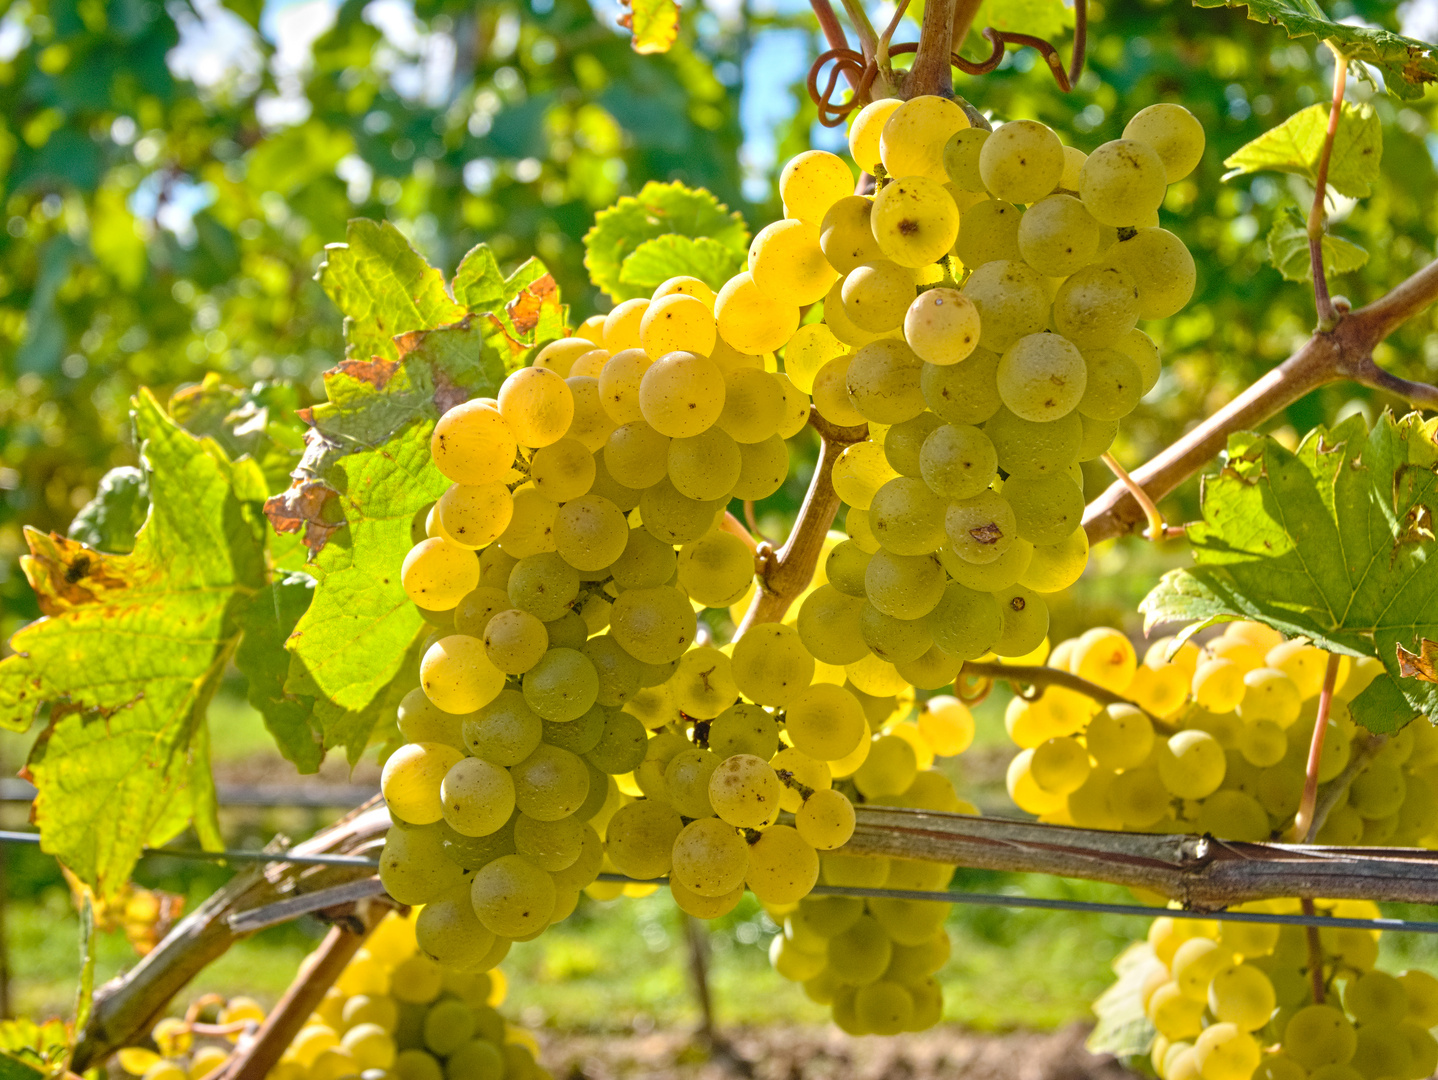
[1021,161]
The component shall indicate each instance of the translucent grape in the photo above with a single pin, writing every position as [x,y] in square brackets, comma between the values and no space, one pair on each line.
[752,320]
[783,866]
[653,625]
[981,529]
[716,569]
[1041,377]
[410,782]
[770,665]
[914,220]
[472,444]
[621,325]
[753,405]
[1173,133]
[876,296]
[744,792]
[1096,307]
[677,323]
[437,574]
[1058,236]
[710,858]
[559,356]
[636,455]
[964,393]
[562,470]
[866,130]
[1123,182]
[704,467]
[1012,303]
[1046,509]
[812,182]
[961,158]
[846,236]
[538,406]
[457,676]
[619,382]
[512,897]
[682,394]
[785,259]
[942,326]
[1021,161]
[550,784]
[989,232]
[562,686]
[882,379]
[913,138]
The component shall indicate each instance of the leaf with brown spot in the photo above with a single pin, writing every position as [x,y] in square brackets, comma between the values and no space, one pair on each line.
[1422,665]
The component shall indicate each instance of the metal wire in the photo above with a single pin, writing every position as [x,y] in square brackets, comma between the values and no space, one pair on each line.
[11,837]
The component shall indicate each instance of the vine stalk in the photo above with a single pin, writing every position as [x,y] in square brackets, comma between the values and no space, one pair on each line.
[1317,215]
[1305,824]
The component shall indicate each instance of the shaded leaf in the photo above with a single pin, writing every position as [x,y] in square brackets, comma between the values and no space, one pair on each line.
[130,651]
[655,261]
[1124,1029]
[1288,250]
[654,24]
[1296,145]
[111,519]
[261,657]
[1333,543]
[1408,66]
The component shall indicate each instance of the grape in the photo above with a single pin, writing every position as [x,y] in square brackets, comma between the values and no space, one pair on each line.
[846,235]
[795,414]
[1319,1035]
[1026,621]
[1141,349]
[562,470]
[744,792]
[704,467]
[437,574]
[413,867]
[845,331]
[457,676]
[825,722]
[907,518]
[1029,449]
[622,745]
[866,130]
[882,379]
[831,394]
[1057,236]
[562,686]
[686,286]
[958,461]
[531,528]
[505,731]
[942,326]
[550,784]
[770,665]
[1096,307]
[1012,303]
[655,625]
[812,182]
[477,797]
[1021,161]
[752,320]
[1162,270]
[913,138]
[1002,572]
[715,570]
[914,221]
[753,406]
[902,446]
[875,296]
[889,769]
[1123,183]
[897,641]
[538,406]
[946,724]
[961,158]
[826,820]
[472,444]
[640,838]
[512,897]
[1233,815]
[785,259]
[859,472]
[1225,1052]
[966,623]
[783,866]
[636,455]
[681,395]
[559,356]
[982,528]
[1041,377]
[677,323]
[590,532]
[902,586]
[1106,657]
[1114,385]
[543,585]
[621,325]
[410,782]
[710,858]
[1060,765]
[1191,764]
[1174,134]
[420,721]
[964,393]
[674,518]
[619,382]
[703,685]
[812,346]
[475,1060]
[989,232]
[1046,509]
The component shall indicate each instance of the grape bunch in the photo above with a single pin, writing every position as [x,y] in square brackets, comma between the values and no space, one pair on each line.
[181,1054]
[1233,1000]
[981,318]
[1218,744]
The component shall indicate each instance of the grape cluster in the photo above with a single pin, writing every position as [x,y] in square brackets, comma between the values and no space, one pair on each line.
[1219,744]
[990,349]
[1236,1000]
[180,1054]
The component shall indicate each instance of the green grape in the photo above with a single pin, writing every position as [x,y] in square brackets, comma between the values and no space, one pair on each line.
[1262,743]
[410,782]
[902,586]
[568,631]
[621,325]
[860,471]
[543,585]
[1139,798]
[744,728]
[795,768]
[907,518]
[896,640]
[1057,236]
[1021,161]
[1060,765]
[715,570]
[845,568]
[1114,386]
[369,1045]
[562,686]
[1054,567]
[562,470]
[771,665]
[457,676]
[1191,764]
[811,182]
[794,963]
[437,574]
[1269,694]
[674,518]
[416,1064]
[1173,133]
[538,406]
[420,721]
[645,563]
[1120,737]
[875,295]
[1234,815]
[578,736]
[710,858]
[703,685]
[621,747]
[783,866]
[856,524]
[1141,349]
[380,1010]
[1041,377]
[590,532]
[475,1060]
[860,954]
[982,528]
[825,722]
[1097,435]
[764,466]
[753,320]
[1421,993]
[744,792]
[686,781]
[1226,1052]
[1073,169]
[472,444]
[882,380]
[640,838]
[812,346]
[677,323]
[531,528]
[875,677]
[1123,183]
[1096,307]
[681,394]
[964,393]
[888,770]
[704,467]
[1378,790]
[654,625]
[626,498]
[988,232]
[1026,621]
[958,461]
[560,356]
[549,845]
[1046,509]
[550,784]
[475,516]
[1012,303]
[476,796]
[847,237]
[619,382]
[961,158]
[413,867]
[753,405]
[785,259]
[591,425]
[1002,572]
[1382,1051]
[1161,267]
[913,137]
[914,220]
[845,331]
[828,626]
[942,326]
[831,394]
[826,820]
[909,922]
[1030,449]
[866,131]
[512,897]
[449,933]
[514,641]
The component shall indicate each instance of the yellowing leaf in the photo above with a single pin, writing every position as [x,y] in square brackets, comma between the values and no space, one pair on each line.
[1295,146]
[654,24]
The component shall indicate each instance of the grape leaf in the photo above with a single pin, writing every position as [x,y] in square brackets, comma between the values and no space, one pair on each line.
[1041,18]
[1295,146]
[261,656]
[1334,543]
[524,306]
[656,261]
[1288,250]
[1124,1029]
[658,210]
[1408,66]
[384,287]
[111,519]
[654,24]
[129,654]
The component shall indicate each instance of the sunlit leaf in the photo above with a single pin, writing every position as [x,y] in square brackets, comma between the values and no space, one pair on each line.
[1288,250]
[1296,145]
[654,24]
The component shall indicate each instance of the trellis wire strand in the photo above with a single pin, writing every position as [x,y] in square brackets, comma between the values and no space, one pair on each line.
[7,836]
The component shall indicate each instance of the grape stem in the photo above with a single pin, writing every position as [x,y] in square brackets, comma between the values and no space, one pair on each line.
[930,73]
[1305,825]
[1157,528]
[1039,675]
[1330,795]
[1328,317]
[782,575]
[1344,352]
[1315,951]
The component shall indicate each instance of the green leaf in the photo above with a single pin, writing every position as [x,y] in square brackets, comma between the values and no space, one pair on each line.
[261,656]
[12,1068]
[654,23]
[384,287]
[1288,250]
[658,210]
[478,284]
[128,655]
[1042,18]
[1334,543]
[655,261]
[111,519]
[1124,1029]
[1408,66]
[1295,146]
[520,303]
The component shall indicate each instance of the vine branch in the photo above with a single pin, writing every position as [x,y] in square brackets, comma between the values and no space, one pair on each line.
[1305,825]
[1040,675]
[1317,215]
